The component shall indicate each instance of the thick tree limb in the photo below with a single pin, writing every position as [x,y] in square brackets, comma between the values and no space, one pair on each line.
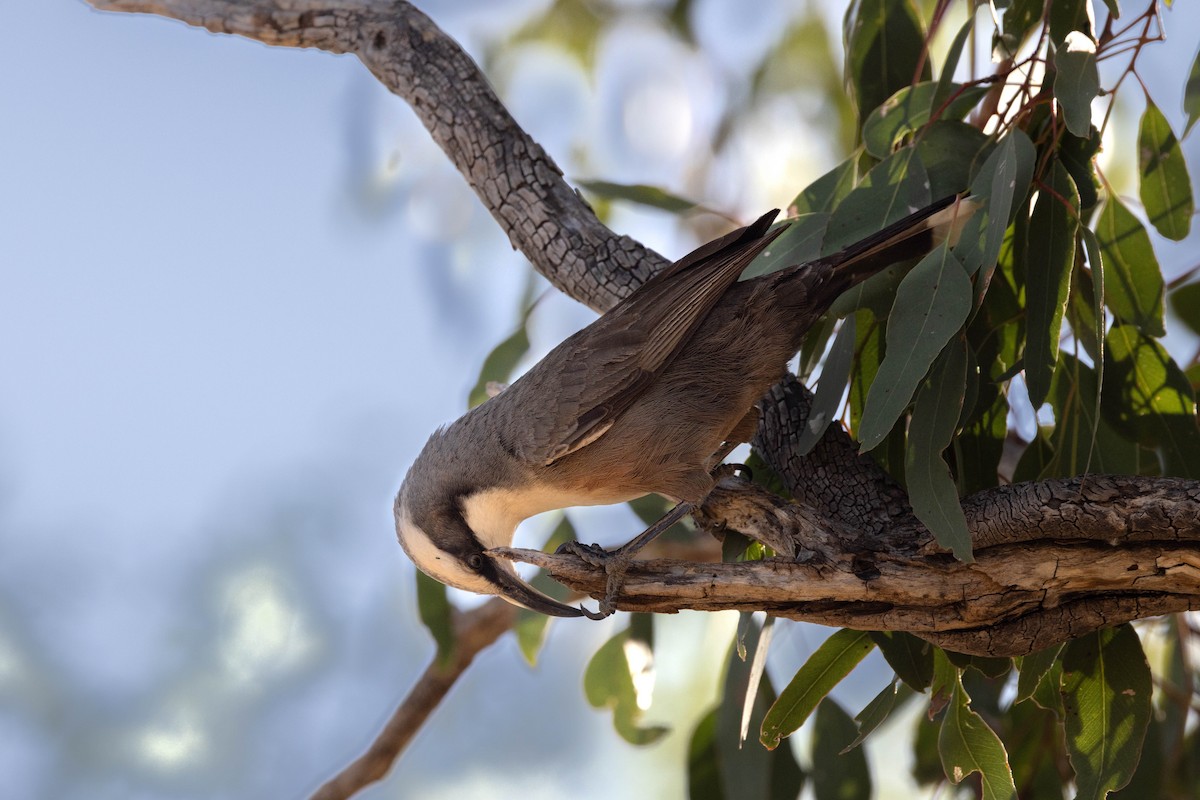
[1054,560]
[474,631]
[517,181]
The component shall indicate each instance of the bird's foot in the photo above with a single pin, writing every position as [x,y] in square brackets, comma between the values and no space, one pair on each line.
[614,563]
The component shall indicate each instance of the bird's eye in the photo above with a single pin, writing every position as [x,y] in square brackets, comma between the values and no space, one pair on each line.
[475,561]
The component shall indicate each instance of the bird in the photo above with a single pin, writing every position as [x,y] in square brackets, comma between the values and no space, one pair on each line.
[649,398]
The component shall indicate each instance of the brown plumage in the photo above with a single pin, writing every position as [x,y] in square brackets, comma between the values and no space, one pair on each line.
[641,400]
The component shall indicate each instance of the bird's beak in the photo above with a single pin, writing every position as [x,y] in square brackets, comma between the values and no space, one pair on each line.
[515,590]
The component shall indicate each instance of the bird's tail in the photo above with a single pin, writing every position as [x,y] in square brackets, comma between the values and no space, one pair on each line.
[910,237]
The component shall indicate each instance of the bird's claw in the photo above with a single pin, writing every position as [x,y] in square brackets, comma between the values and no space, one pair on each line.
[614,563]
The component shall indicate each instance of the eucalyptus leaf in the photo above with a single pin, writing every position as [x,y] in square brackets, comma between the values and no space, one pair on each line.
[838,773]
[830,389]
[909,656]
[1165,188]
[824,669]
[437,615]
[884,45]
[1191,95]
[931,489]
[967,745]
[911,108]
[1053,227]
[639,193]
[1133,281]
[893,189]
[827,191]
[608,683]
[931,305]
[1106,693]
[1077,81]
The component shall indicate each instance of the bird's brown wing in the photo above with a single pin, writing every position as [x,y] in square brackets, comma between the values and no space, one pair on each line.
[576,393]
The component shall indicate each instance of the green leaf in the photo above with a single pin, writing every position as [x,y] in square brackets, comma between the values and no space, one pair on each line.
[931,304]
[1095,259]
[1147,780]
[825,668]
[837,773]
[1149,399]
[1067,16]
[639,193]
[1185,302]
[1048,278]
[878,710]
[824,194]
[1133,282]
[1033,670]
[531,626]
[1078,155]
[1083,441]
[893,189]
[884,43]
[799,244]
[910,657]
[931,489]
[1191,95]
[499,365]
[1106,694]
[608,683]
[968,745]
[1019,20]
[1165,188]
[703,772]
[1077,81]
[751,772]
[950,151]
[437,615]
[830,388]
[945,82]
[910,108]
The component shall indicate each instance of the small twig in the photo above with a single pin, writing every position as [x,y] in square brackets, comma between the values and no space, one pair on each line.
[474,631]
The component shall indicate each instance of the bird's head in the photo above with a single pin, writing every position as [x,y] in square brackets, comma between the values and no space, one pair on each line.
[439,539]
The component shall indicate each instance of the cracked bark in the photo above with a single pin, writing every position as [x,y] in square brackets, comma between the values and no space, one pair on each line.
[1056,559]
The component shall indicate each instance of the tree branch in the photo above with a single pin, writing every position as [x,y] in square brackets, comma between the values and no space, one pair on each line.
[517,181]
[1054,560]
[474,631]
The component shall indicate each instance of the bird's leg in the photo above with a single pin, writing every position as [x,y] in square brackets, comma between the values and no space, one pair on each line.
[616,562]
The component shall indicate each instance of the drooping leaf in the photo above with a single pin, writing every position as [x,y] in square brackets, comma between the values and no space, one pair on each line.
[1078,155]
[639,193]
[823,194]
[1077,81]
[1033,670]
[951,151]
[1165,188]
[530,626]
[824,669]
[1083,442]
[837,773]
[703,770]
[876,712]
[931,489]
[437,615]
[1000,185]
[968,745]
[910,657]
[799,244]
[910,108]
[945,82]
[1133,282]
[1048,278]
[1149,399]
[1095,259]
[830,388]
[884,41]
[1185,302]
[608,683]
[1070,15]
[931,303]
[1191,95]
[751,771]
[1033,739]
[499,365]
[1148,776]
[1106,694]
[893,189]
[1019,19]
